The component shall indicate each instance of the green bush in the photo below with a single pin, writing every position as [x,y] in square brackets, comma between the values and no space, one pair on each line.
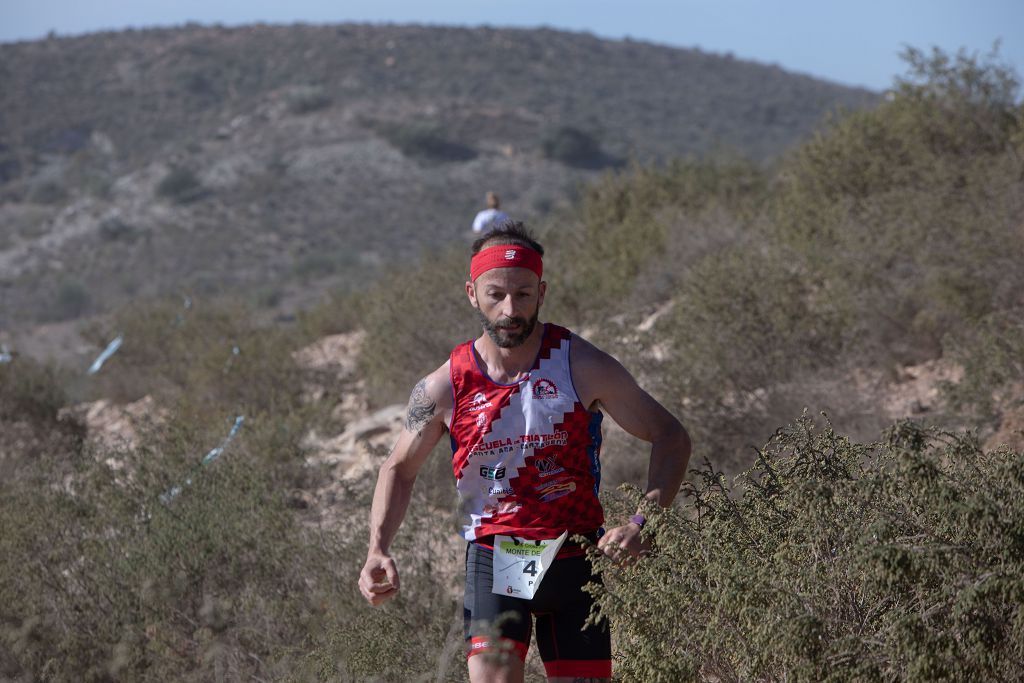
[338,311]
[742,343]
[910,211]
[114,229]
[31,390]
[577,148]
[72,300]
[208,351]
[425,143]
[180,185]
[418,635]
[833,561]
[48,192]
[268,297]
[992,355]
[308,99]
[886,239]
[104,580]
[632,234]
[324,262]
[104,577]
[31,424]
[412,322]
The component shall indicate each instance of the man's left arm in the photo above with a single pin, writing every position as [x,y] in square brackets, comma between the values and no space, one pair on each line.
[603,379]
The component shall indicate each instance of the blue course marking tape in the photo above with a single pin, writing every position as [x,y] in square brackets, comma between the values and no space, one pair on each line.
[215,453]
[172,493]
[112,347]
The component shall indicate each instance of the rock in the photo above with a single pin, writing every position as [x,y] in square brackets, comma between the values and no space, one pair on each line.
[112,427]
[301,500]
[359,448]
[336,354]
[917,389]
[383,421]
[648,323]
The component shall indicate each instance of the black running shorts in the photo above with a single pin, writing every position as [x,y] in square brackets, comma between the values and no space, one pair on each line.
[560,606]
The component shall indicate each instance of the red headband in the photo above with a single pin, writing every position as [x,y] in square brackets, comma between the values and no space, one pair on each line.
[505,256]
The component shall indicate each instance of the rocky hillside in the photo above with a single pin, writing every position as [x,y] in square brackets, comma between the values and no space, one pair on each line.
[276,162]
[198,507]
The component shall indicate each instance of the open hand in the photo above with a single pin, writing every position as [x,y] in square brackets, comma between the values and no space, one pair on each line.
[624,544]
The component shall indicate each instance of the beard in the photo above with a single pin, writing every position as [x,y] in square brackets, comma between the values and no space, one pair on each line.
[499,333]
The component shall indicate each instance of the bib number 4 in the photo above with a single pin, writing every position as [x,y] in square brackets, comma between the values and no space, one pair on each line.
[520,564]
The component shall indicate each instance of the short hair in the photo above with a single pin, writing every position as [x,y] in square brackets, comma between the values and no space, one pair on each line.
[493,200]
[508,232]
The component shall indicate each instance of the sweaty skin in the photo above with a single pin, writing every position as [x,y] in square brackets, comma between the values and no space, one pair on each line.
[509,298]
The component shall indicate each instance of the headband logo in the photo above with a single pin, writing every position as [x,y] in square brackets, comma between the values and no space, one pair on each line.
[505,256]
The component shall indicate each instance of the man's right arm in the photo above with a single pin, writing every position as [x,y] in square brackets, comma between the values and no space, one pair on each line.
[424,427]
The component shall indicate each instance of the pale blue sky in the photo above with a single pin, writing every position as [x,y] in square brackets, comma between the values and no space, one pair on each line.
[856,43]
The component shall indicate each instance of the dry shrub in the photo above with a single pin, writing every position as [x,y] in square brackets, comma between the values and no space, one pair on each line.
[833,561]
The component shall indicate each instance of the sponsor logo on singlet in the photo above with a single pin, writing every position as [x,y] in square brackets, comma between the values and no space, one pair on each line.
[493,473]
[500,491]
[547,466]
[479,402]
[491,447]
[558,438]
[523,443]
[482,420]
[556,489]
[545,388]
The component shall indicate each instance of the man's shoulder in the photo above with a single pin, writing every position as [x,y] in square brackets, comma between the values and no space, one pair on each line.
[595,373]
[586,352]
[437,385]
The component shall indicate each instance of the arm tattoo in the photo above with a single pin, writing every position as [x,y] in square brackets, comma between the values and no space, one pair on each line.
[421,408]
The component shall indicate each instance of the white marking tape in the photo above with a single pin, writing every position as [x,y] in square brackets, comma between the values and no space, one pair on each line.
[112,347]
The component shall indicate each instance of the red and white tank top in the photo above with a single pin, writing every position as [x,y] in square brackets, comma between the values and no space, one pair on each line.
[525,455]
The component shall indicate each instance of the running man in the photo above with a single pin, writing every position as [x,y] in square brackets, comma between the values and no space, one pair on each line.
[523,405]
[491,216]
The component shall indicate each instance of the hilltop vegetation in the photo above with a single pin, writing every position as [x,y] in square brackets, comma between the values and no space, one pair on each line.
[739,294]
[280,162]
[837,561]
[890,239]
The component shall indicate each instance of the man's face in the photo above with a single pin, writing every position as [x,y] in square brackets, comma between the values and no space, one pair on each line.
[508,302]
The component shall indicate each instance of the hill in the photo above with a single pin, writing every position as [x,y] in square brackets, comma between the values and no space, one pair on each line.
[280,161]
[872,275]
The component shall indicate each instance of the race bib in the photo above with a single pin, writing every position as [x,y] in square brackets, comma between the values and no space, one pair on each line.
[520,565]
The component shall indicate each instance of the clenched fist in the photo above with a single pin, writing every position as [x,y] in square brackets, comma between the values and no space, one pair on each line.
[378,581]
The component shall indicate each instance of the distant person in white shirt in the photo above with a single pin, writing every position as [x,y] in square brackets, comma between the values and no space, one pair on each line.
[489,216]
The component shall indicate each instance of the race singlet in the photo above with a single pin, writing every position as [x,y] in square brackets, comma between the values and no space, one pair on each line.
[520,565]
